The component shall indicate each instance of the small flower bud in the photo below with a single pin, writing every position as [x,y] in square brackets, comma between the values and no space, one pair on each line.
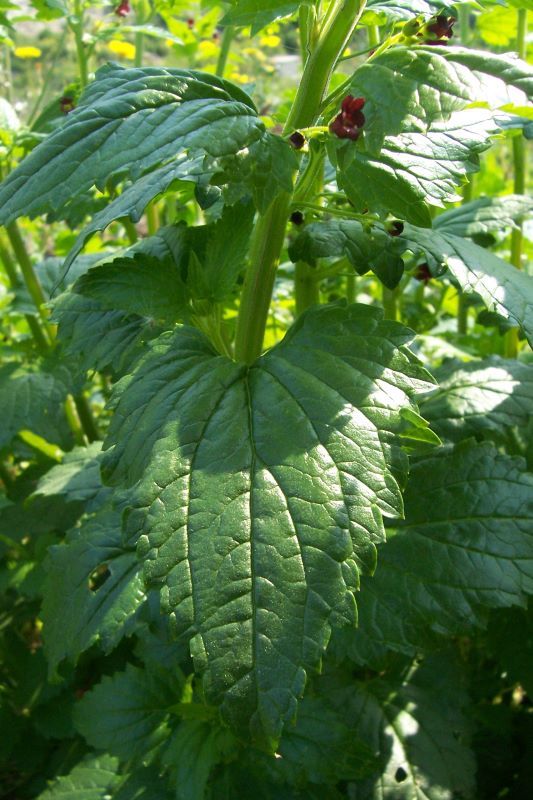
[297,218]
[297,140]
[395,228]
[123,9]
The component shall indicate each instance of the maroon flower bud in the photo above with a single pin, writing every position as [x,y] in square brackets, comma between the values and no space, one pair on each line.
[123,9]
[66,104]
[423,273]
[190,23]
[297,140]
[395,228]
[441,27]
[297,218]
[216,36]
[348,124]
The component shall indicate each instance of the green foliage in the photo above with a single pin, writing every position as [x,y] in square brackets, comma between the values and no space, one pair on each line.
[266,447]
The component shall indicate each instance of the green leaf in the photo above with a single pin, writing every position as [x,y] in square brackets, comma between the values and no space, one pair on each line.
[378,12]
[77,478]
[480,398]
[91,779]
[193,751]
[258,565]
[33,399]
[143,784]
[414,168]
[465,547]
[127,122]
[408,88]
[259,13]
[145,280]
[502,287]
[510,70]
[224,252]
[513,653]
[420,731]
[125,714]
[92,591]
[485,216]
[134,199]
[365,249]
[99,338]
[321,748]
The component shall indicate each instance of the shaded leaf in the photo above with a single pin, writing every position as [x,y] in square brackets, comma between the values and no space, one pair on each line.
[465,547]
[485,215]
[126,713]
[92,591]
[77,478]
[91,779]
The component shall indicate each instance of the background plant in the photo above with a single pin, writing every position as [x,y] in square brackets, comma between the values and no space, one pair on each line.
[213,427]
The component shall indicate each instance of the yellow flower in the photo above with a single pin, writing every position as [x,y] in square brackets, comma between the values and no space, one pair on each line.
[236,77]
[27,52]
[122,49]
[208,49]
[269,41]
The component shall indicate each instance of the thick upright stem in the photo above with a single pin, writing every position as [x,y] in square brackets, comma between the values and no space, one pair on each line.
[269,234]
[306,287]
[390,303]
[227,39]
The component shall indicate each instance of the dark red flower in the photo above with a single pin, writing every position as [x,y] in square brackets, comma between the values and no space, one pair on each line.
[123,9]
[441,28]
[297,218]
[395,228]
[297,140]
[190,23]
[423,273]
[348,124]
[66,104]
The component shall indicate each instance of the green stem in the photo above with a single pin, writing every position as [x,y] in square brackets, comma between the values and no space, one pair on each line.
[306,287]
[390,303]
[139,49]
[269,233]
[152,220]
[227,39]
[76,25]
[131,230]
[462,300]
[30,277]
[519,187]
[350,287]
[464,25]
[85,414]
[74,421]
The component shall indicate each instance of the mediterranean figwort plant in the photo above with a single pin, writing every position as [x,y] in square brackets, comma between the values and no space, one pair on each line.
[281,561]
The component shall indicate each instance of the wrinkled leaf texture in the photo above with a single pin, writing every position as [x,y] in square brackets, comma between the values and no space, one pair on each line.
[257,506]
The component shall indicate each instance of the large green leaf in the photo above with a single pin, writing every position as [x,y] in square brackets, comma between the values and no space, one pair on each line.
[419,729]
[415,168]
[33,399]
[127,122]
[466,546]
[126,713]
[503,289]
[378,12]
[480,398]
[258,504]
[408,88]
[485,216]
[92,591]
[91,779]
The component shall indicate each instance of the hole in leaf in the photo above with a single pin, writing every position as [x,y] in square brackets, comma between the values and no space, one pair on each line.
[98,577]
[400,775]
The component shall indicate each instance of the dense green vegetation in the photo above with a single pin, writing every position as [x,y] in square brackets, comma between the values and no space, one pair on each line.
[266,400]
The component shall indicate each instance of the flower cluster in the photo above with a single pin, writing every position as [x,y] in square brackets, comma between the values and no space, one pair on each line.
[123,9]
[349,122]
